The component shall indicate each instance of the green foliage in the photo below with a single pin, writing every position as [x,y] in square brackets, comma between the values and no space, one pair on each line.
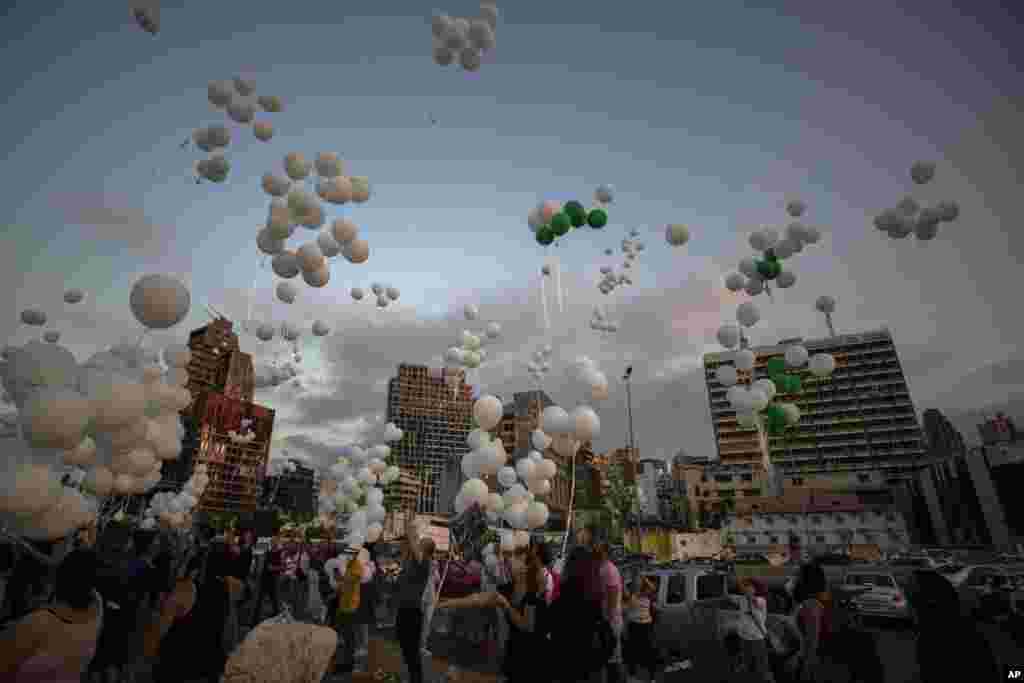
[621,499]
[680,506]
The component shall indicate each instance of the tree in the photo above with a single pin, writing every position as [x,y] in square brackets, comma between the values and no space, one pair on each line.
[680,507]
[622,500]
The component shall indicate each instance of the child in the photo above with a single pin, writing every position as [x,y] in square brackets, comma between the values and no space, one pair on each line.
[640,650]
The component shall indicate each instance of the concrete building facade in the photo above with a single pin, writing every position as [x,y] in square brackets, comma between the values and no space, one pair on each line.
[861,420]
[434,407]
[222,384]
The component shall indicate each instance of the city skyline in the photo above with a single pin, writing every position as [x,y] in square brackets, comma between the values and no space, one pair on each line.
[712,119]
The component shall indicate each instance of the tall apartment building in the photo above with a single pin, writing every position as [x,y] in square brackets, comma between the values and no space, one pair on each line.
[222,385]
[651,475]
[436,420]
[859,421]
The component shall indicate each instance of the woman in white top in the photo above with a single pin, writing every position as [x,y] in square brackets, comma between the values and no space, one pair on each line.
[752,630]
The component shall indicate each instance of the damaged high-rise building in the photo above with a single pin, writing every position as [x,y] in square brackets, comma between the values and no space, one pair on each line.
[434,407]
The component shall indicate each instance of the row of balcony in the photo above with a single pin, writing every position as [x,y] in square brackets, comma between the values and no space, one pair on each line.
[869,397]
[856,350]
[844,373]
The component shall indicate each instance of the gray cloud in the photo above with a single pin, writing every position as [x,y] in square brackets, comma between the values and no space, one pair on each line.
[113,219]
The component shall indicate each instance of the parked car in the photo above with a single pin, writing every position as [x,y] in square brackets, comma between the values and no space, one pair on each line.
[877,593]
[694,608]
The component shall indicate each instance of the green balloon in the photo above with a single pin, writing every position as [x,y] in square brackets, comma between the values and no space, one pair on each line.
[573,207]
[774,412]
[560,224]
[776,366]
[769,270]
[545,235]
[769,255]
[795,385]
[578,219]
[597,218]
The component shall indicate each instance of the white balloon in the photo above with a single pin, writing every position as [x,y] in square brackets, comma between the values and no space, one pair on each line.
[792,413]
[475,490]
[73,296]
[767,387]
[748,267]
[747,419]
[677,235]
[785,279]
[286,292]
[795,208]
[753,286]
[757,400]
[744,360]
[320,328]
[536,515]
[822,364]
[796,356]
[726,375]
[825,304]
[734,282]
[357,293]
[55,418]
[585,423]
[728,336]
[285,264]
[470,465]
[554,420]
[488,411]
[507,476]
[747,314]
[159,301]
[539,439]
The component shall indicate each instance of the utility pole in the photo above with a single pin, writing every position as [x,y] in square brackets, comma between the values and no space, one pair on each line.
[629,418]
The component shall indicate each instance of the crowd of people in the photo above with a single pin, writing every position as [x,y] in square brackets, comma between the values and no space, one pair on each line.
[159,608]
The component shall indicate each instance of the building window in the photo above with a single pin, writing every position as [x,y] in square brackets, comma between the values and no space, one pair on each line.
[863,478]
[723,478]
[773,539]
[820,539]
[703,478]
[798,481]
[748,477]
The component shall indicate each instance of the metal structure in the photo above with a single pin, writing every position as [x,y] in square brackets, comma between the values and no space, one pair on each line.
[629,407]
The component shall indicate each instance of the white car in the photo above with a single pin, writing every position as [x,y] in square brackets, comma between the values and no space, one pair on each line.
[876,593]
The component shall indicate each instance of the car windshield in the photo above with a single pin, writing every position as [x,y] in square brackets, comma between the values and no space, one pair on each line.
[876,580]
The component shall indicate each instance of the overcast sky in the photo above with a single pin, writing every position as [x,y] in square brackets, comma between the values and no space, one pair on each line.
[710,117]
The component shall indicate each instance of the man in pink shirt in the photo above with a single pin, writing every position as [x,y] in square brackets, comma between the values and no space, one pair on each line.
[608,590]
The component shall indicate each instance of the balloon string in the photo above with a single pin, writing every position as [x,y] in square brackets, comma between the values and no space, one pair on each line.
[572,499]
[544,302]
[558,284]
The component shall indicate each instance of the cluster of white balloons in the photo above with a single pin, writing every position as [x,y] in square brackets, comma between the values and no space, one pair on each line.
[540,365]
[174,509]
[292,205]
[754,281]
[386,294]
[359,476]
[530,477]
[600,321]
[116,416]
[610,280]
[34,317]
[238,99]
[586,379]
[468,351]
[909,216]
[464,38]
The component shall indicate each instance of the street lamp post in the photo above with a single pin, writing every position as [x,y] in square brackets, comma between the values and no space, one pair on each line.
[629,408]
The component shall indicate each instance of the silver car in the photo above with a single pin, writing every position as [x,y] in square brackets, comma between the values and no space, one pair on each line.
[876,593]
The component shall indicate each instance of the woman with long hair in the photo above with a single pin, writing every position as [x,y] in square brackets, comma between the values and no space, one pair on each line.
[419,556]
[56,643]
[526,611]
